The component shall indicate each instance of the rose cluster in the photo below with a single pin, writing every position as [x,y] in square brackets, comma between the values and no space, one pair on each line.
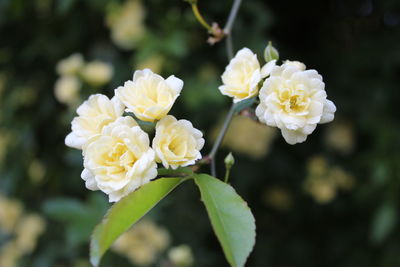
[291,97]
[117,154]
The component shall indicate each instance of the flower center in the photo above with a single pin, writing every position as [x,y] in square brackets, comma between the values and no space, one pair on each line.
[293,100]
[120,158]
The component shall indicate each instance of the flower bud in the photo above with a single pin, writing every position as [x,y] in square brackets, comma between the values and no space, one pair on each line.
[270,53]
[229,160]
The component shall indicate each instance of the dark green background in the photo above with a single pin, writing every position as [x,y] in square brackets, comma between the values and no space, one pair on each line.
[355,45]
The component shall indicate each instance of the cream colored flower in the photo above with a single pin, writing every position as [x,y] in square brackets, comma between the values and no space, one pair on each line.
[97,73]
[247,136]
[177,143]
[143,242]
[242,75]
[93,115]
[297,64]
[340,136]
[66,90]
[148,95]
[36,171]
[71,65]
[154,62]
[126,23]
[28,231]
[294,100]
[181,256]
[10,213]
[119,160]
[324,181]
[278,197]
[10,254]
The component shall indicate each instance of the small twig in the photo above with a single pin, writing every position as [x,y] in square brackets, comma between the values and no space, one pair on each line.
[229,46]
[220,137]
[229,51]
[232,16]
[222,132]
[213,169]
[200,18]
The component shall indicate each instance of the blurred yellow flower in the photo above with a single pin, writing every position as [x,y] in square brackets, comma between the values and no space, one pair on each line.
[340,136]
[29,228]
[97,73]
[323,181]
[36,171]
[66,90]
[126,23]
[278,197]
[154,63]
[119,160]
[322,190]
[177,143]
[248,137]
[10,213]
[24,231]
[10,254]
[71,65]
[143,243]
[93,114]
[181,256]
[343,179]
[317,166]
[149,96]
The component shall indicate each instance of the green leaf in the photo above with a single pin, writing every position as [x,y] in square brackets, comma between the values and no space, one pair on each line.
[183,171]
[78,217]
[64,209]
[123,214]
[383,223]
[230,217]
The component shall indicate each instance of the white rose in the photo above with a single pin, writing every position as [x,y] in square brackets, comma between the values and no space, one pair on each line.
[70,65]
[97,73]
[242,75]
[294,100]
[148,95]
[66,90]
[296,64]
[94,114]
[177,143]
[119,160]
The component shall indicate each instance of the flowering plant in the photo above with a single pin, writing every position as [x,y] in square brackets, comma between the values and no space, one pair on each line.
[137,153]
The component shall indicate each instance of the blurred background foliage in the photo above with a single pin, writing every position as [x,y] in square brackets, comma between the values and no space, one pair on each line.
[331,201]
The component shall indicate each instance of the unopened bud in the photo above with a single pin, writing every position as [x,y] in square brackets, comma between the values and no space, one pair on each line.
[229,160]
[270,53]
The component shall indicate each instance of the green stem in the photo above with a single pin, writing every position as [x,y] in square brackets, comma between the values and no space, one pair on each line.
[229,46]
[200,18]
[229,51]
[222,132]
[227,173]
[220,137]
